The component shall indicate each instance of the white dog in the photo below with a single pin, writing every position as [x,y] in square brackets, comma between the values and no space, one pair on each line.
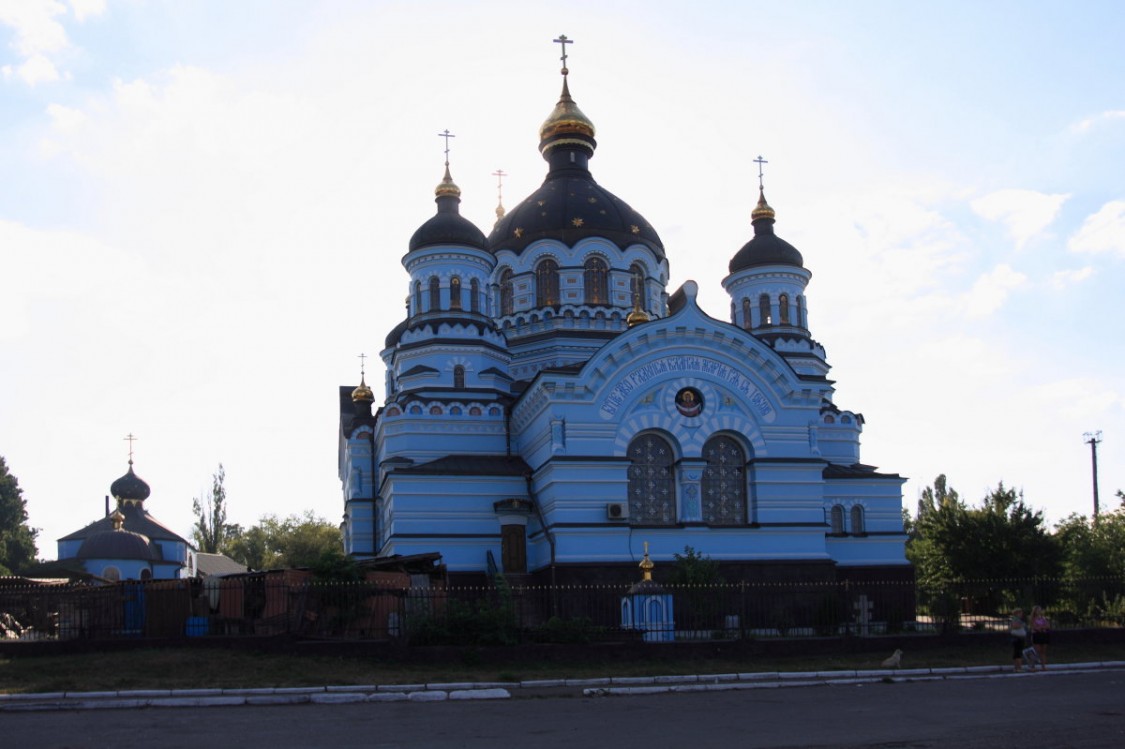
[894,661]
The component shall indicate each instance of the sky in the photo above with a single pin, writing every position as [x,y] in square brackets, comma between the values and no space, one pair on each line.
[204,205]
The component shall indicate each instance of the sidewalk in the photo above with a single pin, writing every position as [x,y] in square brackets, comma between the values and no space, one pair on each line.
[440,692]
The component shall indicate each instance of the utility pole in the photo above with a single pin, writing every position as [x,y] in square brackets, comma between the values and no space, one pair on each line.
[1093,439]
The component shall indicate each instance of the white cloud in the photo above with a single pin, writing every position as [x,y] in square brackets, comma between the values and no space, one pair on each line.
[1084,126]
[1065,278]
[1025,213]
[41,36]
[84,9]
[991,290]
[1102,232]
[34,70]
[37,31]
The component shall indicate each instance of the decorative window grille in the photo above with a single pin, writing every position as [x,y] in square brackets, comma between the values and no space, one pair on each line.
[724,482]
[652,496]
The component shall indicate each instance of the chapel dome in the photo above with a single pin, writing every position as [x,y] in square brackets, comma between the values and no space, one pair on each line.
[570,205]
[766,248]
[448,226]
[117,544]
[130,487]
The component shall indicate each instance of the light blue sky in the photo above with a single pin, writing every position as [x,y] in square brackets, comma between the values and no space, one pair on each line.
[204,206]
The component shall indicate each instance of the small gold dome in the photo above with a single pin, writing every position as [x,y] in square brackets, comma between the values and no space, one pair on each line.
[762,210]
[566,120]
[362,394]
[447,186]
[637,316]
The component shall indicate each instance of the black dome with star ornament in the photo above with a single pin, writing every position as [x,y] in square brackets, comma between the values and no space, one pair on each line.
[570,205]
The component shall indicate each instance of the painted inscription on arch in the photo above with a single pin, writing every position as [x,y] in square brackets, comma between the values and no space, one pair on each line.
[689,365]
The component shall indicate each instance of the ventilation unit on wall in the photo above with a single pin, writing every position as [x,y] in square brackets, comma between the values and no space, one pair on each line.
[617,511]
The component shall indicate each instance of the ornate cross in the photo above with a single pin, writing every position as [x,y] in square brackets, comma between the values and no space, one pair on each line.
[130,439]
[362,364]
[499,174]
[564,41]
[447,135]
[760,162]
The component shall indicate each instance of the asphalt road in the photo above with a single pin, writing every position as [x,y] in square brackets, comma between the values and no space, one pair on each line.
[1037,710]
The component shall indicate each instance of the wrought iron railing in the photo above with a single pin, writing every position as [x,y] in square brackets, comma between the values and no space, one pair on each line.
[285,604]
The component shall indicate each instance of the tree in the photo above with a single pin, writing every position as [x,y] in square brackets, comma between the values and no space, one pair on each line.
[1002,539]
[296,541]
[211,532]
[17,539]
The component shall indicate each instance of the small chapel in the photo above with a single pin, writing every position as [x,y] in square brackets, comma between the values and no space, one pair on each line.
[550,406]
[128,543]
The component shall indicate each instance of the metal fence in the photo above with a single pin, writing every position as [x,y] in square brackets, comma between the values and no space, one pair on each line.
[257,606]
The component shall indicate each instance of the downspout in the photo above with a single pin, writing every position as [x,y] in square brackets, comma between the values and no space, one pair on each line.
[550,541]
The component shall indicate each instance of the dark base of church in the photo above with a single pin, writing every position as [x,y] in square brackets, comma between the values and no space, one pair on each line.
[795,572]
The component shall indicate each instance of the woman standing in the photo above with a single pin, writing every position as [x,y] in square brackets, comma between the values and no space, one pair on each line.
[1017,628]
[1040,634]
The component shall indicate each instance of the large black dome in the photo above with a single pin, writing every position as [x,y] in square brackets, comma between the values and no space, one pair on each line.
[570,206]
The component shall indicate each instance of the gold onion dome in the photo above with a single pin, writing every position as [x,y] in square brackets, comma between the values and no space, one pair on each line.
[362,394]
[566,125]
[636,316]
[447,187]
[762,210]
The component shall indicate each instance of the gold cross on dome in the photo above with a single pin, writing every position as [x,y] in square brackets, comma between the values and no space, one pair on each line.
[447,135]
[760,162]
[562,40]
[130,439]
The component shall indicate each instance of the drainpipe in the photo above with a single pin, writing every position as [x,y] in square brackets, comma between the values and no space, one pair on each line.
[550,541]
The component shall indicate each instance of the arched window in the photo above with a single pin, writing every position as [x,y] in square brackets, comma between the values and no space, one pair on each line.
[801,312]
[838,520]
[417,297]
[596,282]
[783,311]
[547,283]
[507,303]
[111,573]
[857,519]
[146,574]
[652,496]
[724,482]
[474,296]
[455,293]
[746,313]
[764,310]
[637,294]
[459,377]
[435,294]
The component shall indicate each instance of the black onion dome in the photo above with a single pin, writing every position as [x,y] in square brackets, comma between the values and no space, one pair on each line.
[570,205]
[130,486]
[118,544]
[448,226]
[766,248]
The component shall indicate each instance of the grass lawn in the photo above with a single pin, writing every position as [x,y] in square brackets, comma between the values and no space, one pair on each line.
[193,668]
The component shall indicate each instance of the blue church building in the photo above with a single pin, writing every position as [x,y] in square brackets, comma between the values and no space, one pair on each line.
[550,405]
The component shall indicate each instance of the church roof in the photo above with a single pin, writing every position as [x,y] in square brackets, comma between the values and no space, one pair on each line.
[137,520]
[855,471]
[471,465]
